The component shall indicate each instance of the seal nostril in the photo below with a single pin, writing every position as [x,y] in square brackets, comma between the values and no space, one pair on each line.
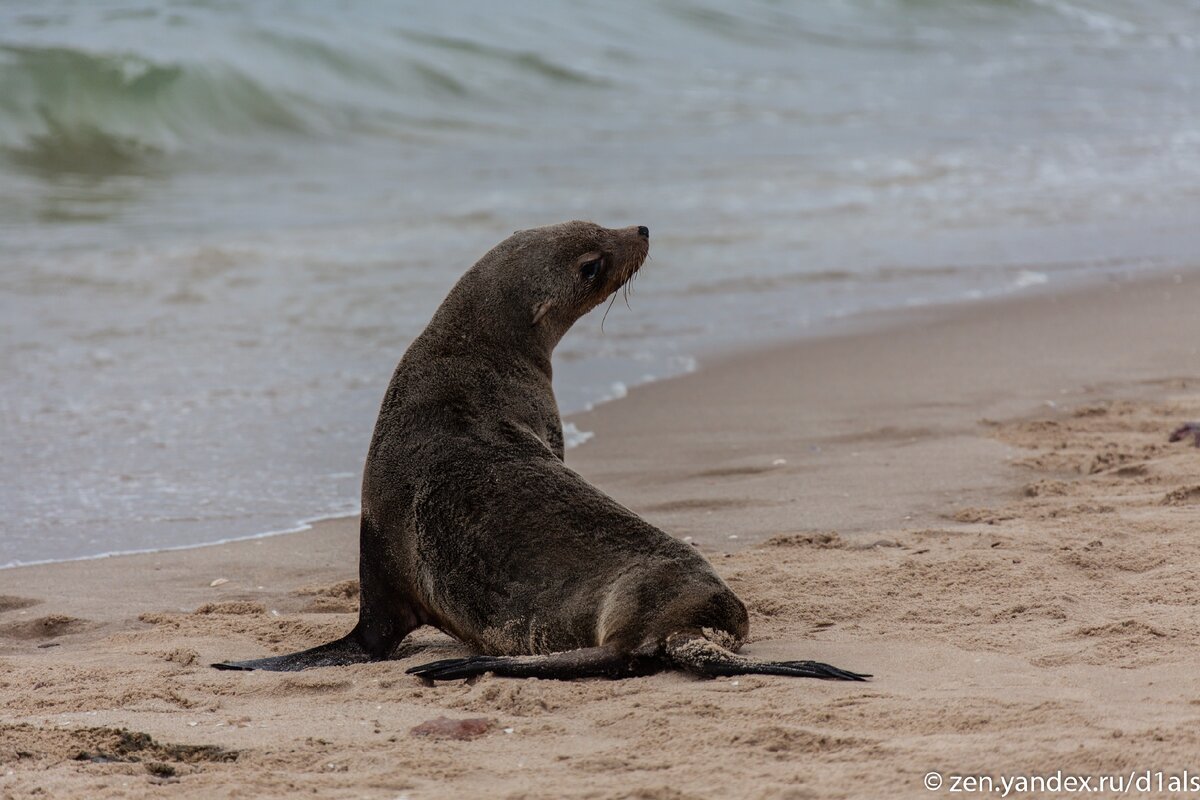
[643,231]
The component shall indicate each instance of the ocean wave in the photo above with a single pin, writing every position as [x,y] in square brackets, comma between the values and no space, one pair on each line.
[69,110]
[528,61]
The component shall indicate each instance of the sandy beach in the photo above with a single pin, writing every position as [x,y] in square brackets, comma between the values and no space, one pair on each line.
[978,504]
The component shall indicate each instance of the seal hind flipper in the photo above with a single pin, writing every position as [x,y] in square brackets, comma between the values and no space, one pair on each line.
[692,653]
[589,662]
[701,656]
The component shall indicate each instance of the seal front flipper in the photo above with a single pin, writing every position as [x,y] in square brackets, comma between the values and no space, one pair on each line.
[385,617]
[589,662]
[364,644]
[698,655]
[347,650]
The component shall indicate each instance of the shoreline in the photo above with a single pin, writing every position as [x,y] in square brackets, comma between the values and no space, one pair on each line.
[300,527]
[866,322]
[924,365]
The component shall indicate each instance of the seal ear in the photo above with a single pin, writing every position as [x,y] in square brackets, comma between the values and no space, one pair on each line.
[540,310]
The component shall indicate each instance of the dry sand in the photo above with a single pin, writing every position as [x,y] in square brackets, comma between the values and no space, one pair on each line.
[978,505]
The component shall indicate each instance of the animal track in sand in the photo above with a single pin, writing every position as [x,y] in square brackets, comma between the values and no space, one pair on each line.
[232,607]
[788,742]
[1183,496]
[887,433]
[982,515]
[702,504]
[330,605]
[293,685]
[346,590]
[48,627]
[334,598]
[734,472]
[100,745]
[820,539]
[10,602]
[1125,643]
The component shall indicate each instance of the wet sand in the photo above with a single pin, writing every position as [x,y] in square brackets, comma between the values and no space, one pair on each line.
[977,504]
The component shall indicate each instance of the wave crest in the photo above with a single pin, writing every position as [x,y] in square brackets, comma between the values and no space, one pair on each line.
[67,110]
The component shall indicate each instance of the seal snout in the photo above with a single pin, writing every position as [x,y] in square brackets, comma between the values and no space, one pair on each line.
[635,251]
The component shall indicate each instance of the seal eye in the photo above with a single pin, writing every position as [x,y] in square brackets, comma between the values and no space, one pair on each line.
[589,269]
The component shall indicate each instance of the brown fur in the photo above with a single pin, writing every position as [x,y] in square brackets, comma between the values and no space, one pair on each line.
[472,523]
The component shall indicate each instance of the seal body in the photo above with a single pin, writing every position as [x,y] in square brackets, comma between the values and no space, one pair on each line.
[472,523]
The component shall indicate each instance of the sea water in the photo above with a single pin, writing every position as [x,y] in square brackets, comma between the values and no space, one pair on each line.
[222,222]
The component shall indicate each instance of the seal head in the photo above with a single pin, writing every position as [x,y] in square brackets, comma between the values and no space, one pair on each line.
[543,280]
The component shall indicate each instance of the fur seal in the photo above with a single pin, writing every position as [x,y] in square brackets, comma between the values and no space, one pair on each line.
[472,523]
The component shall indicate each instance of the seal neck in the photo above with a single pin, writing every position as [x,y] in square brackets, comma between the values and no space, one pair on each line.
[479,319]
[463,330]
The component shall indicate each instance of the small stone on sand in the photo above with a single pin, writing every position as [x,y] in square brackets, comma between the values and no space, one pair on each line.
[446,728]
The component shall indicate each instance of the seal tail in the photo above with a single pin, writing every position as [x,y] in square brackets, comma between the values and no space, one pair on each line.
[698,655]
[350,649]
